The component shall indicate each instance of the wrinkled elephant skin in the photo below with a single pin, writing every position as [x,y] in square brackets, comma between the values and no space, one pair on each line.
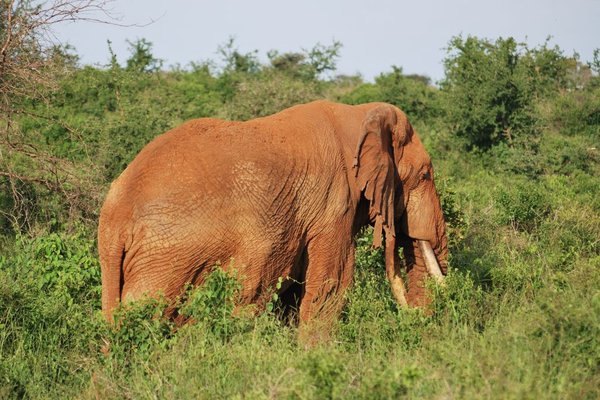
[280,196]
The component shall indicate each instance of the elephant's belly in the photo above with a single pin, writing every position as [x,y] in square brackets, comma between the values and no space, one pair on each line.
[259,255]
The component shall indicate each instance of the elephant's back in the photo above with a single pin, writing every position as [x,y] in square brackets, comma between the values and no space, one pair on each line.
[207,165]
[199,164]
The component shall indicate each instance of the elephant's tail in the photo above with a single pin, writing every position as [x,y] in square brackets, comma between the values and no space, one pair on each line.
[111,261]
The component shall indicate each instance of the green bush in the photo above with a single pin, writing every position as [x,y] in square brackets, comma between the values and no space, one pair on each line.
[459,301]
[63,265]
[523,206]
[569,156]
[49,299]
[267,93]
[324,371]
[490,88]
[577,111]
[213,303]
[139,329]
[371,310]
[454,215]
[413,94]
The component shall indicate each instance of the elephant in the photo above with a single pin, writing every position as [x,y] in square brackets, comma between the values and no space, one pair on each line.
[281,196]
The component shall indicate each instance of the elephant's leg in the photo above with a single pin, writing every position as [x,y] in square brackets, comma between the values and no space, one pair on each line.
[329,272]
[152,284]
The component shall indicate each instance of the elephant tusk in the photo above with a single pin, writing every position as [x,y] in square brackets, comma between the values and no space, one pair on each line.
[398,288]
[391,269]
[430,261]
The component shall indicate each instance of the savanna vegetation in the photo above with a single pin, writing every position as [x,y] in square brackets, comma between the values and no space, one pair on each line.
[514,133]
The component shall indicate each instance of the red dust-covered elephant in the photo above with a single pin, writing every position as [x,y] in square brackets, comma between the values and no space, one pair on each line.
[282,196]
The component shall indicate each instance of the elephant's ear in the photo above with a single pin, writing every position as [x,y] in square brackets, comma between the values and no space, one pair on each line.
[375,170]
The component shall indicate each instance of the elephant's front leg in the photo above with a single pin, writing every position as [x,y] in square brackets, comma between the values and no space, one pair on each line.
[329,272]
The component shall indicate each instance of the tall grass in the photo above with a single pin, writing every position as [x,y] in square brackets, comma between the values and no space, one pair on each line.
[518,318]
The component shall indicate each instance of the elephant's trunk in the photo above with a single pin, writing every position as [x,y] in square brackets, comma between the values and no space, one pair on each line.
[424,261]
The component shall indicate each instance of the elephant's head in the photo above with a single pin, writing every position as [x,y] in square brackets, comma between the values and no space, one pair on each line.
[395,174]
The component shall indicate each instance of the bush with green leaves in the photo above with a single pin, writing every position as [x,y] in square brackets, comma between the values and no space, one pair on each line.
[459,301]
[490,87]
[307,65]
[49,300]
[64,266]
[523,206]
[577,111]
[413,94]
[267,93]
[139,328]
[213,303]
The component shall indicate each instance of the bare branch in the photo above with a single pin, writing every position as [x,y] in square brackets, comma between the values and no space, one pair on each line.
[28,74]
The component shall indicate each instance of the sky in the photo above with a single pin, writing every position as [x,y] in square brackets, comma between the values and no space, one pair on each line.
[375,34]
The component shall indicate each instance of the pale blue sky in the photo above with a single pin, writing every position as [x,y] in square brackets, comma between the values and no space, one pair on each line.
[375,34]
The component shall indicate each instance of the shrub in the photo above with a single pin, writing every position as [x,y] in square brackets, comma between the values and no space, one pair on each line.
[395,379]
[49,298]
[459,301]
[577,111]
[309,64]
[490,88]
[523,207]
[213,303]
[145,327]
[64,266]
[268,93]
[413,94]
[324,370]
[139,328]
[371,310]
[454,216]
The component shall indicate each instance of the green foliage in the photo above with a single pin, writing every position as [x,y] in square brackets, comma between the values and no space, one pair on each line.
[64,266]
[517,318]
[371,310]
[454,216]
[275,296]
[139,328]
[577,111]
[490,87]
[363,93]
[323,370]
[459,301]
[141,59]
[237,62]
[523,206]
[323,58]
[268,93]
[309,64]
[49,291]
[214,302]
[548,68]
[410,93]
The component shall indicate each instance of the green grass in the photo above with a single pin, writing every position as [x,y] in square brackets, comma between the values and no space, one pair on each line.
[519,318]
